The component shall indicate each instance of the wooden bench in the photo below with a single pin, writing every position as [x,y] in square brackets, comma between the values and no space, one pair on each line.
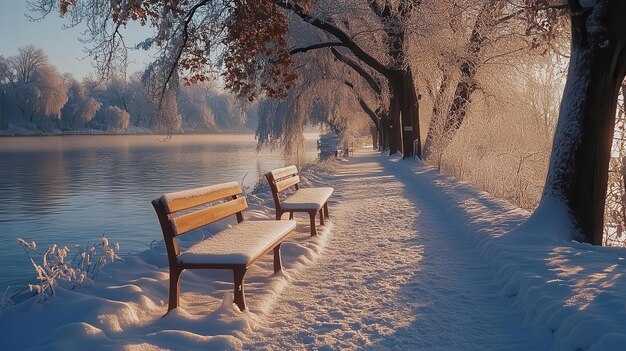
[310,200]
[235,248]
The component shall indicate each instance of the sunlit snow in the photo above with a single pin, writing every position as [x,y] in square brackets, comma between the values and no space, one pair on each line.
[412,260]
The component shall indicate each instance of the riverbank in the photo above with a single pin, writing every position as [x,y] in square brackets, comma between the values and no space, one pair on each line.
[412,260]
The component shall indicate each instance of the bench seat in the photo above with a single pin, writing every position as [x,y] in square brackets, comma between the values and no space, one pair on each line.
[307,199]
[239,244]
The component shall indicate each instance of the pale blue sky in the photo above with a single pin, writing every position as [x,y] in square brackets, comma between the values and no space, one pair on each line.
[61,45]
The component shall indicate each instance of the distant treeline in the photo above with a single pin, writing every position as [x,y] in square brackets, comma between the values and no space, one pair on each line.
[35,96]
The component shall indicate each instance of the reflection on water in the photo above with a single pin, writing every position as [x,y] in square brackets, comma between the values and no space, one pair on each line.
[72,189]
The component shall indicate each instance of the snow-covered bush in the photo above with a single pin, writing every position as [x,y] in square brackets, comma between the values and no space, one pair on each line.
[115,118]
[56,270]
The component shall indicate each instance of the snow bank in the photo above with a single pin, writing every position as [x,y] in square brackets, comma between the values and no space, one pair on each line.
[124,309]
[572,291]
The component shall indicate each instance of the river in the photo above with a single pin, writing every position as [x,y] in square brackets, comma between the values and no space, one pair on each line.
[72,189]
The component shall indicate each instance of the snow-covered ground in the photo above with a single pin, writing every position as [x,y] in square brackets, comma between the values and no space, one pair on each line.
[411,260]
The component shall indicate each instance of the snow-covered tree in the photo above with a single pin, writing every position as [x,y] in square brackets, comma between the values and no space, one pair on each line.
[170,120]
[139,104]
[577,177]
[310,101]
[484,35]
[381,50]
[43,96]
[195,109]
[80,108]
[115,118]
[52,91]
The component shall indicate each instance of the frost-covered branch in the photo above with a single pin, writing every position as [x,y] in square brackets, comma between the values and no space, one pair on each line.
[373,82]
[329,27]
[55,270]
[314,46]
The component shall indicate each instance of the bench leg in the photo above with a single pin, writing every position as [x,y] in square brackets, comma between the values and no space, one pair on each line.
[278,265]
[278,215]
[326,210]
[240,300]
[290,215]
[321,216]
[312,217]
[174,298]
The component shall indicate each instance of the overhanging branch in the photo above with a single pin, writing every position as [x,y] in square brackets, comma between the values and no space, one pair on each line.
[315,46]
[337,33]
[368,110]
[360,70]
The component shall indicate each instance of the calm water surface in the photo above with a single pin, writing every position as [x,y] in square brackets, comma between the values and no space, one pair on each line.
[71,189]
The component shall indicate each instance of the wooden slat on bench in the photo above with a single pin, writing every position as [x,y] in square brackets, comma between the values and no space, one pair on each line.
[194,220]
[183,200]
[284,172]
[286,183]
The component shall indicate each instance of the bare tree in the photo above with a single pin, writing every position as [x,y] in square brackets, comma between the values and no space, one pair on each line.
[26,62]
[6,74]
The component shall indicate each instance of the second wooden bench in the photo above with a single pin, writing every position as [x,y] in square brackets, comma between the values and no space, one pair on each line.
[310,200]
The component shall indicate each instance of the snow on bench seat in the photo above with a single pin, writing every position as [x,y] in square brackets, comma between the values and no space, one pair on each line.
[310,200]
[239,244]
[307,199]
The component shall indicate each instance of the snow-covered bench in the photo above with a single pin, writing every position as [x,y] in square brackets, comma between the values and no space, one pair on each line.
[310,200]
[235,248]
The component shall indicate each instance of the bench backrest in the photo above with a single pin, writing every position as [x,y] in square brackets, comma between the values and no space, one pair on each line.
[201,206]
[281,179]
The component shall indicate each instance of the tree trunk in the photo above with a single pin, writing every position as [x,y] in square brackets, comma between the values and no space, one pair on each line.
[404,107]
[578,170]
[395,120]
[460,101]
[374,133]
[468,66]
[384,130]
[410,116]
[435,127]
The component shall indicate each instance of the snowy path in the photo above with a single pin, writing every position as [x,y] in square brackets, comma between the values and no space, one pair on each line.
[396,274]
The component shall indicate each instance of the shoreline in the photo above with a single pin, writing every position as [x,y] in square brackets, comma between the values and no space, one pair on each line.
[104,133]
